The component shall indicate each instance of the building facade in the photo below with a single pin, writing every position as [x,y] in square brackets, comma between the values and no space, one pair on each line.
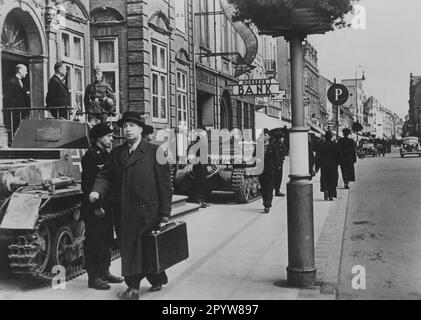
[356,99]
[38,33]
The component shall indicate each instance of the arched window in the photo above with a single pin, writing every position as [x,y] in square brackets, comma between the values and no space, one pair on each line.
[13,36]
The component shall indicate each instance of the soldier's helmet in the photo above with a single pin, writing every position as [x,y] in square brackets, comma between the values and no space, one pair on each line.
[108,104]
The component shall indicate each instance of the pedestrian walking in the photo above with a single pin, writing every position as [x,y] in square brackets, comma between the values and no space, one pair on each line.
[99,99]
[348,153]
[16,96]
[58,95]
[200,183]
[280,142]
[327,160]
[272,163]
[141,193]
[97,217]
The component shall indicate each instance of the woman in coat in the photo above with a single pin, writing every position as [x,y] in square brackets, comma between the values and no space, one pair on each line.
[141,194]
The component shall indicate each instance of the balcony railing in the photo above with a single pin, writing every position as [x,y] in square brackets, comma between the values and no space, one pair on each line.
[270,67]
[13,116]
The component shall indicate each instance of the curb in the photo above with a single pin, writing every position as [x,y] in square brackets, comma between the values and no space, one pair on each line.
[329,246]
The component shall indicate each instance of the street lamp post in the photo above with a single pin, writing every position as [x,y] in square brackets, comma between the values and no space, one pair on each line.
[301,270]
[356,91]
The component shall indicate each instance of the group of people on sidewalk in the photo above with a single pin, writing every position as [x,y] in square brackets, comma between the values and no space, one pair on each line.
[330,155]
[271,177]
[125,188]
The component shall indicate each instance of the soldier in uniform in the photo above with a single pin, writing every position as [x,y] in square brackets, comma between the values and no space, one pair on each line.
[148,133]
[99,99]
[97,217]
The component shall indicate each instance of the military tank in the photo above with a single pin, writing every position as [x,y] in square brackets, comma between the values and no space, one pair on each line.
[230,168]
[40,197]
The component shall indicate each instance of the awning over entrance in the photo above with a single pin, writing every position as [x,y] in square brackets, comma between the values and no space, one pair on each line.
[317,131]
[264,121]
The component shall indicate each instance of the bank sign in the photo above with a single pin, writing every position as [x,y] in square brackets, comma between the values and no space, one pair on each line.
[256,87]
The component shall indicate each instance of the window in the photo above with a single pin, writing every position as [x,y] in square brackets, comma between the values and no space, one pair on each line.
[66,44]
[180,15]
[182,100]
[106,58]
[73,57]
[159,83]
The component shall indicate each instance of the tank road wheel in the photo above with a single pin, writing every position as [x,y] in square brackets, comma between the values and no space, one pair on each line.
[43,242]
[63,239]
[242,186]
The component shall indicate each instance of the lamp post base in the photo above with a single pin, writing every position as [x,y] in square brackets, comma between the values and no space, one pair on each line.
[301,270]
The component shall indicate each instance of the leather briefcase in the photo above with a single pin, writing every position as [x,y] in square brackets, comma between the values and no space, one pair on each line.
[164,247]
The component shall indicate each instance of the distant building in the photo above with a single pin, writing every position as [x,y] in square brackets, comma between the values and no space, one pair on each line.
[413,127]
[324,85]
[356,98]
[314,114]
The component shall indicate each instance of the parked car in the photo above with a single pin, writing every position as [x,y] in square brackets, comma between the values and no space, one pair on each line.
[410,145]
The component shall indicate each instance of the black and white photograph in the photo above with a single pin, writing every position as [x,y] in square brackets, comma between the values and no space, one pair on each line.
[212,155]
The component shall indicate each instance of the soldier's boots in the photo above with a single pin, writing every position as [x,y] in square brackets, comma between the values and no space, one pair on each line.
[98,284]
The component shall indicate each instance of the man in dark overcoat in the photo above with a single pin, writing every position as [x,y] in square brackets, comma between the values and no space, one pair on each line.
[97,217]
[327,160]
[141,193]
[58,95]
[280,142]
[15,96]
[272,163]
[348,152]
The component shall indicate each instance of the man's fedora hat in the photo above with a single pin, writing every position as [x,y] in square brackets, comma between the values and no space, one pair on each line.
[131,116]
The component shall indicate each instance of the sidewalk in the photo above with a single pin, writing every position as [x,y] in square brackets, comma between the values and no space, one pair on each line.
[235,253]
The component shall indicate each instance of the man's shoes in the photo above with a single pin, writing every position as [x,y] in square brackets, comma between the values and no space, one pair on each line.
[129,294]
[98,284]
[266,210]
[330,199]
[279,194]
[108,277]
[204,204]
[158,287]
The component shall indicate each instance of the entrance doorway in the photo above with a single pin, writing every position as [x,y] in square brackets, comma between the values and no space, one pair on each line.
[205,104]
[21,44]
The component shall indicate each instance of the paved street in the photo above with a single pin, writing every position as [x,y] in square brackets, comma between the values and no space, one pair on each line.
[383,229]
[235,253]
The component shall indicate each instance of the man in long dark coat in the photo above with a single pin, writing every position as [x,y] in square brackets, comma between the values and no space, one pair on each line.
[327,159]
[141,194]
[97,217]
[348,152]
[280,142]
[272,163]
[58,95]
[16,96]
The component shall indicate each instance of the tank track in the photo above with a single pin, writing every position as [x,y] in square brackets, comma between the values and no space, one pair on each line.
[246,188]
[24,248]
